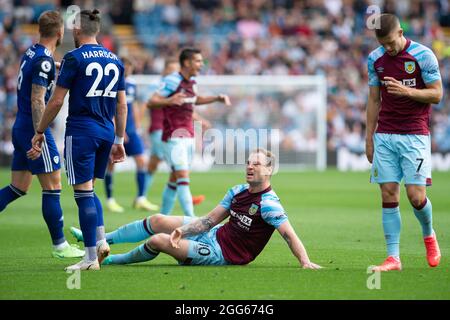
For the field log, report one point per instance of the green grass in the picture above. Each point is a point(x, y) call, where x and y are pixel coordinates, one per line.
point(337, 215)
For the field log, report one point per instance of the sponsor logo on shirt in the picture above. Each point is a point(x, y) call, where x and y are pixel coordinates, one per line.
point(245, 222)
point(380, 69)
point(409, 82)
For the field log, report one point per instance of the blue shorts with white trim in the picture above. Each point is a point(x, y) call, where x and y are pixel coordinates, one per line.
point(49, 160)
point(85, 158)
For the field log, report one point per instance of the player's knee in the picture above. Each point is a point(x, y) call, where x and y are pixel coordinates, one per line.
point(156, 220)
point(416, 199)
point(157, 242)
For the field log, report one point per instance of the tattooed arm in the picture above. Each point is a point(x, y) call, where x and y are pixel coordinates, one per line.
point(203, 224)
point(296, 246)
point(37, 103)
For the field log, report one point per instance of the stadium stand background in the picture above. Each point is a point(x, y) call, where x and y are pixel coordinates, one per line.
point(253, 37)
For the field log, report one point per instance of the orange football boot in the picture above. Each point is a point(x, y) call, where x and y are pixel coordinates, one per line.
point(389, 264)
point(196, 200)
point(433, 252)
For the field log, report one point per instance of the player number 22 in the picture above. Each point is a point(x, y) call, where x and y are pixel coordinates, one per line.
point(93, 92)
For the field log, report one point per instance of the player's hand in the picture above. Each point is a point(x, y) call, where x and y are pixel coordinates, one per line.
point(117, 153)
point(178, 99)
point(224, 99)
point(396, 88)
point(369, 150)
point(36, 146)
point(125, 138)
point(175, 238)
point(206, 125)
point(311, 265)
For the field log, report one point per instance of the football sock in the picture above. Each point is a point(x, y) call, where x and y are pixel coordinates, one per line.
point(100, 231)
point(169, 195)
point(391, 226)
point(8, 194)
point(185, 197)
point(148, 182)
point(109, 185)
point(88, 217)
point(133, 232)
point(138, 254)
point(140, 180)
point(53, 215)
point(425, 216)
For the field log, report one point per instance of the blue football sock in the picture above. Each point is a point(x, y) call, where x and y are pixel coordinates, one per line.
point(109, 185)
point(148, 182)
point(424, 214)
point(53, 215)
point(8, 194)
point(168, 200)
point(185, 197)
point(133, 232)
point(100, 231)
point(88, 216)
point(140, 180)
point(138, 254)
point(392, 225)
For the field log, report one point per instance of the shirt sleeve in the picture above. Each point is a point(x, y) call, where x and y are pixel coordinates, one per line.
point(429, 66)
point(227, 200)
point(272, 211)
point(67, 72)
point(373, 77)
point(42, 71)
point(169, 85)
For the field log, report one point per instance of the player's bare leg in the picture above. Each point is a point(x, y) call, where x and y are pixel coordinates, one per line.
point(141, 201)
point(161, 243)
point(111, 203)
point(423, 211)
point(53, 215)
point(390, 194)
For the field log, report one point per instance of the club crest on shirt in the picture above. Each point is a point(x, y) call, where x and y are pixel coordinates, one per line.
point(253, 209)
point(410, 66)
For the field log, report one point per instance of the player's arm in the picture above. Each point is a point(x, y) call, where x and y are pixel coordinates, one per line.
point(50, 113)
point(205, 123)
point(159, 101)
point(373, 109)
point(296, 246)
point(210, 99)
point(37, 103)
point(117, 150)
point(431, 94)
point(200, 225)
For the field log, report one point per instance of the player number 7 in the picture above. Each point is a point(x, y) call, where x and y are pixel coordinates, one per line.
point(420, 164)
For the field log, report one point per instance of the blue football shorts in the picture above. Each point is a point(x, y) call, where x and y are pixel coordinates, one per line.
point(134, 146)
point(204, 248)
point(157, 148)
point(401, 156)
point(49, 160)
point(85, 158)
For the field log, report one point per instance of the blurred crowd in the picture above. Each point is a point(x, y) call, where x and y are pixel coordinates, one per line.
point(261, 37)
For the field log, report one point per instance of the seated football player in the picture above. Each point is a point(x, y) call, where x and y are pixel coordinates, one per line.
point(255, 212)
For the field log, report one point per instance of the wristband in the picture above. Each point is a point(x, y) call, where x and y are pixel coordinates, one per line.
point(118, 140)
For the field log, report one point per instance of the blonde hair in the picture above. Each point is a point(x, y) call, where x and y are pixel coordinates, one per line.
point(50, 22)
point(270, 157)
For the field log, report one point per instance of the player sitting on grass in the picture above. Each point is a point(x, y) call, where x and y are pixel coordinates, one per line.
point(254, 210)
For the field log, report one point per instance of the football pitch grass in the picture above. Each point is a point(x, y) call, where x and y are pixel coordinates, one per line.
point(337, 216)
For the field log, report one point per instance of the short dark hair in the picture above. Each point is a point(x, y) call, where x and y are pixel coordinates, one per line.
point(90, 22)
point(387, 23)
point(187, 54)
point(50, 22)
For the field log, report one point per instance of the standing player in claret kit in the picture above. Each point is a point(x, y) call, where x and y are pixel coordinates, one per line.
point(95, 78)
point(254, 212)
point(134, 147)
point(157, 147)
point(404, 81)
point(177, 97)
point(34, 87)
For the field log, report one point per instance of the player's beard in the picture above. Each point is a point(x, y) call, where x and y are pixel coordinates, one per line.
point(77, 43)
point(58, 42)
